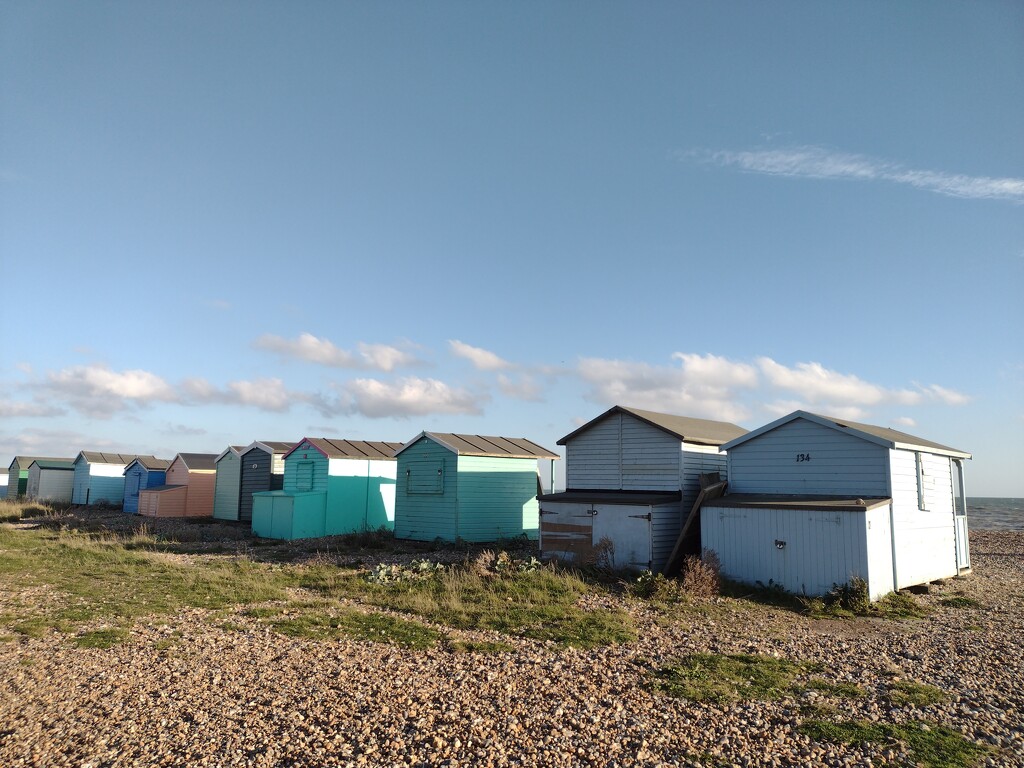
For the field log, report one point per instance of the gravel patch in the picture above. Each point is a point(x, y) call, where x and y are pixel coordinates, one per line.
point(204, 689)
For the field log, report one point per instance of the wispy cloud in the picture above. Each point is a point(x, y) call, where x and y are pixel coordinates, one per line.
point(410, 396)
point(814, 162)
point(313, 349)
point(10, 409)
point(482, 359)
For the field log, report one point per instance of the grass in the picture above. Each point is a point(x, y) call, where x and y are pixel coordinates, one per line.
point(933, 746)
point(724, 679)
point(844, 601)
point(324, 620)
point(959, 601)
point(541, 604)
point(839, 690)
point(907, 692)
point(101, 638)
point(13, 511)
point(96, 576)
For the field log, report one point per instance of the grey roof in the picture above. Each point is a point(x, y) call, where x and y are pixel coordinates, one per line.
point(151, 462)
point(641, 498)
point(23, 462)
point(690, 430)
point(487, 445)
point(340, 448)
point(793, 501)
point(890, 438)
point(277, 447)
point(67, 465)
point(98, 457)
point(198, 461)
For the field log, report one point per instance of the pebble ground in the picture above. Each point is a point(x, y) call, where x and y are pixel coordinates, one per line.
point(182, 691)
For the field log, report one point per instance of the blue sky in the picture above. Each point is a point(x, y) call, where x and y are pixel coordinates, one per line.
point(222, 222)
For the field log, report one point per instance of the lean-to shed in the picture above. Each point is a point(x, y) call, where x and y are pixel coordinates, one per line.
point(188, 489)
point(470, 487)
point(631, 476)
point(50, 480)
point(227, 486)
point(99, 477)
point(262, 470)
point(816, 501)
point(17, 474)
point(142, 473)
point(330, 486)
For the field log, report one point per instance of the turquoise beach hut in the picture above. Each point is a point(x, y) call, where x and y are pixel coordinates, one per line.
point(142, 473)
point(99, 477)
point(469, 487)
point(330, 486)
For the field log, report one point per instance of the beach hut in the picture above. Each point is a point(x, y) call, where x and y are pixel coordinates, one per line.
point(330, 486)
point(17, 474)
point(816, 501)
point(50, 480)
point(188, 489)
point(469, 487)
point(227, 484)
point(99, 477)
point(142, 473)
point(262, 470)
point(631, 476)
point(3, 483)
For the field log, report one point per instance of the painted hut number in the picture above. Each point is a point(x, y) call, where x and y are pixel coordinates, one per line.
point(803, 457)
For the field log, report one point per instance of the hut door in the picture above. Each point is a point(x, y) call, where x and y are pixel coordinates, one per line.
point(629, 531)
point(566, 531)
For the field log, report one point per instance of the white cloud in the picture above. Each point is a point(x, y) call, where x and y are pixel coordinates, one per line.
point(481, 359)
point(49, 442)
point(700, 388)
point(522, 387)
point(813, 162)
point(312, 349)
point(97, 391)
point(10, 409)
point(264, 394)
point(905, 421)
point(816, 384)
point(945, 396)
point(713, 371)
point(408, 397)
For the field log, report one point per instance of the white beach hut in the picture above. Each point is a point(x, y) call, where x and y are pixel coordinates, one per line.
point(816, 501)
point(631, 475)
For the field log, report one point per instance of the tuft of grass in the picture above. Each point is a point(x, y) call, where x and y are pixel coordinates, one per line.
point(723, 679)
point(15, 510)
point(908, 692)
point(102, 638)
point(960, 601)
point(325, 620)
point(933, 746)
point(478, 646)
point(541, 604)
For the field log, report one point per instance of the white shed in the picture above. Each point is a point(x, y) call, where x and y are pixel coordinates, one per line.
point(815, 501)
point(51, 480)
point(630, 476)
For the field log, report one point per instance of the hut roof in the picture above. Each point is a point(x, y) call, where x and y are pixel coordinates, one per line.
point(150, 462)
point(23, 462)
point(486, 445)
point(99, 457)
point(275, 447)
point(690, 430)
point(66, 465)
point(198, 461)
point(890, 438)
point(337, 448)
point(798, 501)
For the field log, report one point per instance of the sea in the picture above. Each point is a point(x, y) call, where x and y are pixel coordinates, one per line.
point(993, 514)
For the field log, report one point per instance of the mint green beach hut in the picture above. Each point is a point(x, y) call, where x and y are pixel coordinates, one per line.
point(469, 487)
point(227, 486)
point(330, 486)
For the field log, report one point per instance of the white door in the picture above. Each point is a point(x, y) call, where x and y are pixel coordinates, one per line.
point(628, 529)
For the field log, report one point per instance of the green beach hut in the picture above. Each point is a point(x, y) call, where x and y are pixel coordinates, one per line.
point(330, 486)
point(470, 487)
point(17, 474)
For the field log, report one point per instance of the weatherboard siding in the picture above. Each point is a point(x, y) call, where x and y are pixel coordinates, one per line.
point(497, 498)
point(257, 476)
point(623, 453)
point(226, 487)
point(696, 461)
point(306, 469)
point(98, 482)
point(838, 463)
point(425, 507)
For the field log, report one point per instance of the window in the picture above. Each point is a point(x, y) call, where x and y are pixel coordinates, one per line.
point(425, 477)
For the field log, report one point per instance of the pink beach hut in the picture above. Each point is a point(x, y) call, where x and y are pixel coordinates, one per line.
point(189, 488)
